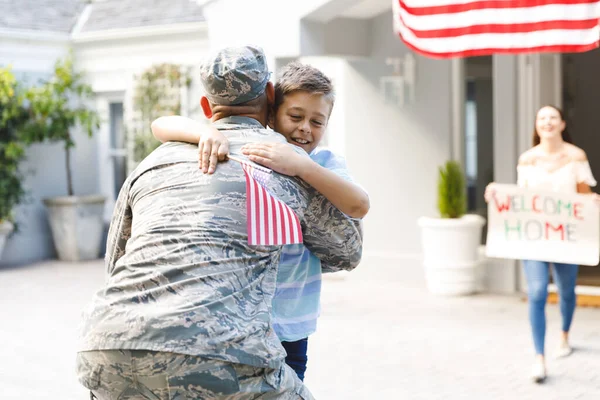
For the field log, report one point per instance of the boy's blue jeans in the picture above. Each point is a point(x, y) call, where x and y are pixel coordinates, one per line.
point(297, 356)
point(538, 277)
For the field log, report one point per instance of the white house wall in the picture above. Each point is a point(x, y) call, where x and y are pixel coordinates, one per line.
point(395, 152)
point(278, 26)
point(31, 54)
point(272, 24)
point(111, 64)
point(343, 37)
point(275, 25)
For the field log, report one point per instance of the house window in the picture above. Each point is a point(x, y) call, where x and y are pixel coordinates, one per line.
point(471, 135)
point(479, 132)
point(471, 146)
point(479, 126)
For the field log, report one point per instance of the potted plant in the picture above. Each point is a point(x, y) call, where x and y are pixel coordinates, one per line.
point(57, 107)
point(451, 242)
point(13, 116)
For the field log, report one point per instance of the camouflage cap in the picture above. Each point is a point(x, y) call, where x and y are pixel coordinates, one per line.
point(235, 75)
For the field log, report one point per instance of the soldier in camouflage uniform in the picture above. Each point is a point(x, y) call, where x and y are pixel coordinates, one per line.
point(185, 313)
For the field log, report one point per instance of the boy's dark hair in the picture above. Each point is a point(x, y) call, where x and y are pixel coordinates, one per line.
point(296, 76)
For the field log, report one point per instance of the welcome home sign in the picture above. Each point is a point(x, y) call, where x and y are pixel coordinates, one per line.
point(527, 224)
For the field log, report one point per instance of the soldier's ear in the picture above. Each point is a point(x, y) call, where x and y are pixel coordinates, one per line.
point(270, 91)
point(205, 104)
point(271, 122)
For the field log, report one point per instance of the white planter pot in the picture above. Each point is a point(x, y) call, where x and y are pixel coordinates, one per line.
point(5, 230)
point(450, 253)
point(77, 225)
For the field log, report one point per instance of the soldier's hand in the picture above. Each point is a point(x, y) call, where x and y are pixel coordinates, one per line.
point(212, 148)
point(279, 157)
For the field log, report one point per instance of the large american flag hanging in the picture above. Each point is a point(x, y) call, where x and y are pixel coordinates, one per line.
point(270, 221)
point(464, 28)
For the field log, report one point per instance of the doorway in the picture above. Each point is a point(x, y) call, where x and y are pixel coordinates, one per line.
point(479, 133)
point(581, 96)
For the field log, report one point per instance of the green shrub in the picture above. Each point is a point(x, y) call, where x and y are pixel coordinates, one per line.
point(452, 193)
point(13, 118)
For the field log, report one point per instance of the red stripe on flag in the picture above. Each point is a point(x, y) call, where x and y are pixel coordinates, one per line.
point(502, 28)
point(486, 4)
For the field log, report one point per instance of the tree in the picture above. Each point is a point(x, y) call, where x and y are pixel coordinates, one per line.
point(57, 106)
point(13, 118)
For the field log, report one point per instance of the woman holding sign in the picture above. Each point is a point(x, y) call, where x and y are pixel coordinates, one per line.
point(553, 163)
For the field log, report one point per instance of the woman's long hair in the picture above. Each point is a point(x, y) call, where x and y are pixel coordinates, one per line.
point(565, 135)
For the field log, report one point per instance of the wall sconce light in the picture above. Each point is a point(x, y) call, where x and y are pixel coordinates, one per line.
point(399, 88)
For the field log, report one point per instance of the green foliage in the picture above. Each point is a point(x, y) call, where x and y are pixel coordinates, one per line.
point(36, 114)
point(13, 118)
point(57, 106)
point(157, 93)
point(452, 192)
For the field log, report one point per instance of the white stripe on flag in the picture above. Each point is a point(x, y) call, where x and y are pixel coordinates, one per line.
point(252, 215)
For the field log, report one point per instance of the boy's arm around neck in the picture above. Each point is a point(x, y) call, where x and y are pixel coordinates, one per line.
point(348, 197)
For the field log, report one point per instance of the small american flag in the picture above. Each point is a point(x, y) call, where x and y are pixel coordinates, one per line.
point(270, 221)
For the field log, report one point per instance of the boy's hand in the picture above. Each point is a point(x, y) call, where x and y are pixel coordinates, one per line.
point(212, 148)
point(277, 156)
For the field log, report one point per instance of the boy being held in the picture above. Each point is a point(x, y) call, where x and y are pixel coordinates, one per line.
point(304, 99)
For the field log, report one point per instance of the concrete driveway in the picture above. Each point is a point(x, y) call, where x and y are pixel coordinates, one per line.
point(381, 336)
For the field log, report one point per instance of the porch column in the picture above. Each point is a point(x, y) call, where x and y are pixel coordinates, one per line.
point(502, 275)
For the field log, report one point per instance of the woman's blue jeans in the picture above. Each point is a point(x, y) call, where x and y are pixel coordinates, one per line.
point(538, 276)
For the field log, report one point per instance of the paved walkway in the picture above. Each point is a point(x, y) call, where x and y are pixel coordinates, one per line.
point(381, 336)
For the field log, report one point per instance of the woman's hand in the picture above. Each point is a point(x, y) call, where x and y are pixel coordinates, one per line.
point(279, 157)
point(489, 193)
point(212, 148)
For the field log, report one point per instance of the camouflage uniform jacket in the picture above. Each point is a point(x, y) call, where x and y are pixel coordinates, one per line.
point(181, 276)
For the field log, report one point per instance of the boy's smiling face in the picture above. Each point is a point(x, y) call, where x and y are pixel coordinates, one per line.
point(302, 118)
